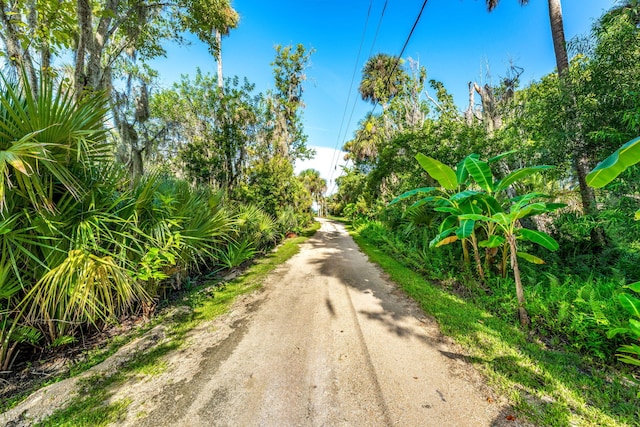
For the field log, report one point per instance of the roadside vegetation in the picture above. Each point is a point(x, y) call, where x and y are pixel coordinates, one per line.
point(515, 222)
point(118, 197)
point(183, 315)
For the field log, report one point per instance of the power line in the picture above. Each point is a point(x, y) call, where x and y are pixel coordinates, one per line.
point(395, 66)
point(353, 76)
point(334, 159)
point(415, 24)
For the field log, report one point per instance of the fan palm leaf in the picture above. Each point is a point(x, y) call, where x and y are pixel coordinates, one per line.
point(42, 138)
point(83, 289)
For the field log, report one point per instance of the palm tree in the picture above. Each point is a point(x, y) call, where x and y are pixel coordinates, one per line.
point(210, 20)
point(225, 20)
point(580, 157)
point(382, 79)
point(364, 147)
point(316, 185)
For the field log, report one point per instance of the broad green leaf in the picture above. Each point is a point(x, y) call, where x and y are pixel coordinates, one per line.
point(634, 286)
point(423, 201)
point(449, 222)
point(608, 169)
point(630, 303)
point(463, 195)
point(470, 206)
point(480, 172)
point(637, 217)
point(502, 218)
point(465, 229)
point(553, 206)
point(476, 217)
point(442, 173)
point(491, 204)
point(501, 156)
point(543, 239)
point(519, 174)
point(493, 242)
point(461, 173)
point(530, 210)
point(531, 258)
point(616, 331)
point(443, 235)
point(524, 198)
point(412, 193)
point(447, 209)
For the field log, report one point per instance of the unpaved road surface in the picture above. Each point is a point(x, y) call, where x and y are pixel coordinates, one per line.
point(327, 342)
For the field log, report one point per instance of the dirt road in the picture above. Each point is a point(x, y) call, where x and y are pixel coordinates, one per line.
point(328, 342)
point(332, 343)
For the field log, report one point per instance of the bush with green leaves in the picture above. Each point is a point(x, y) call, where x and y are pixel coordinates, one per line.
point(479, 211)
point(81, 245)
point(605, 172)
point(630, 353)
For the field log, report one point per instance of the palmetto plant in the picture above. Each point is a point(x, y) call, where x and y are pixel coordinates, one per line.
point(42, 139)
point(234, 254)
point(84, 289)
point(42, 142)
point(48, 145)
point(12, 331)
point(256, 226)
point(80, 245)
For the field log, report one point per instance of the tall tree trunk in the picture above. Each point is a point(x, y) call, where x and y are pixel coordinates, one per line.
point(579, 154)
point(219, 59)
point(18, 57)
point(559, 41)
point(90, 72)
point(96, 74)
point(85, 28)
point(580, 159)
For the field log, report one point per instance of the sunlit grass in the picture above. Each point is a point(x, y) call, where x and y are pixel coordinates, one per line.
point(89, 407)
point(550, 388)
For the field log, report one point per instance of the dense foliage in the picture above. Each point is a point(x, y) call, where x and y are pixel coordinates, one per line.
point(112, 195)
point(505, 208)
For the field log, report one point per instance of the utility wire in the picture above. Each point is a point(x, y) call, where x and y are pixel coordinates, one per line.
point(334, 159)
point(353, 77)
point(395, 66)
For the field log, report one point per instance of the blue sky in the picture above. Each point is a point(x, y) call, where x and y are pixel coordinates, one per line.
point(455, 40)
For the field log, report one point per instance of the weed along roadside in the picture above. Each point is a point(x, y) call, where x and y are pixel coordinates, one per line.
point(546, 385)
point(87, 398)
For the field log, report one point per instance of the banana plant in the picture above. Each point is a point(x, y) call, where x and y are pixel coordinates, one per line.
point(506, 218)
point(494, 199)
point(508, 223)
point(605, 172)
point(442, 200)
point(481, 202)
point(608, 169)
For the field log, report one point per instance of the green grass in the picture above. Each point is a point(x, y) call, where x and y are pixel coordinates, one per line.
point(550, 388)
point(89, 407)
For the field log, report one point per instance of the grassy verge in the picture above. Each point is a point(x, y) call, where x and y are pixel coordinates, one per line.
point(547, 387)
point(89, 407)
